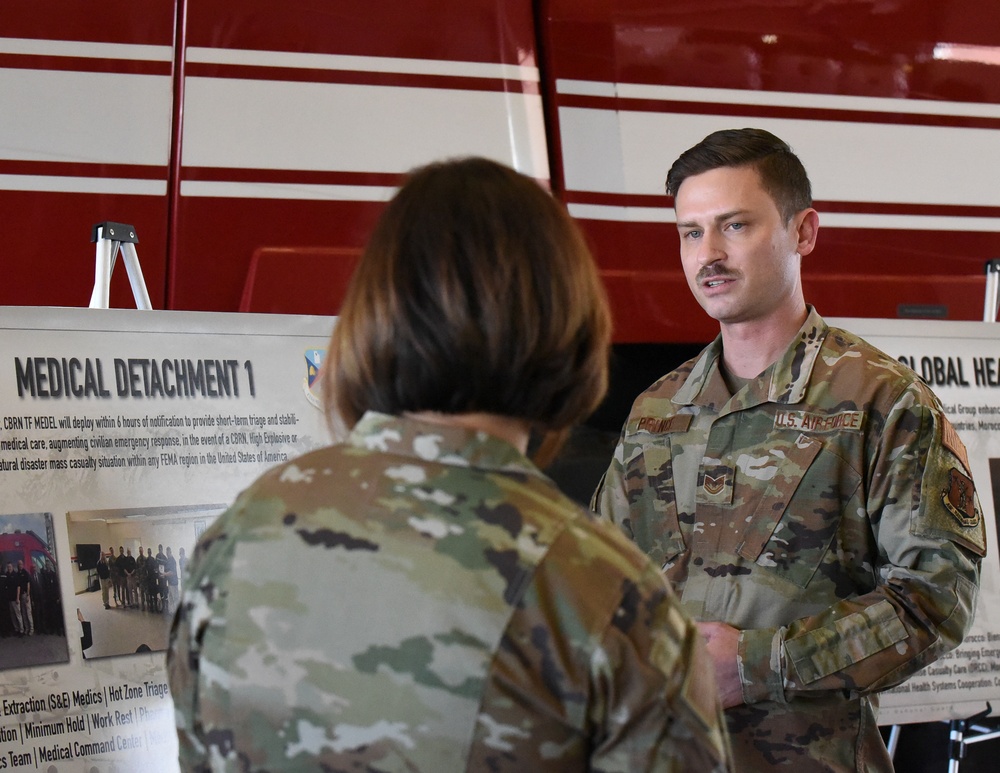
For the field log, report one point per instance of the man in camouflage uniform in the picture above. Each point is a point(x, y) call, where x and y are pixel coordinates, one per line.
point(170, 571)
point(420, 597)
point(803, 491)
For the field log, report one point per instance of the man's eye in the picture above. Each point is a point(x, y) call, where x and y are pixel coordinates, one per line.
point(736, 226)
point(692, 234)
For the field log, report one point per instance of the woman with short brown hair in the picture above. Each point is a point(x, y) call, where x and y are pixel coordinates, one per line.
point(420, 597)
point(476, 294)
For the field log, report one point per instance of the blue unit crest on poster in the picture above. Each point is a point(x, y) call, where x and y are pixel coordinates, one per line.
point(314, 371)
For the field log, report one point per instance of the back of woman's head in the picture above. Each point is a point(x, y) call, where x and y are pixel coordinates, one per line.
point(475, 293)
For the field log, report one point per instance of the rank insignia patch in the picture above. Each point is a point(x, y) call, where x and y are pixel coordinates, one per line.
point(959, 498)
point(714, 485)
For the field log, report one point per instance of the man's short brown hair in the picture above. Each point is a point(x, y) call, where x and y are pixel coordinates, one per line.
point(475, 293)
point(781, 172)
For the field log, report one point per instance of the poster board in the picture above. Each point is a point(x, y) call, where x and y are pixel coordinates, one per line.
point(121, 428)
point(961, 363)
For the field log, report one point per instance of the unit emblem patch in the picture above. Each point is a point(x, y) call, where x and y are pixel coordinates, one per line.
point(959, 498)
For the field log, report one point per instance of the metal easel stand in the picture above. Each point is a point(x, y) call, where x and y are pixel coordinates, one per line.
point(112, 238)
point(958, 739)
point(992, 290)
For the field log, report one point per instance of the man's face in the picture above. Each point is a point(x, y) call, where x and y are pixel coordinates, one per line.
point(740, 260)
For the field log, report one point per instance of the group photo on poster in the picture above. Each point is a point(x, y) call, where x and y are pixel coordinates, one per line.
point(128, 572)
point(32, 630)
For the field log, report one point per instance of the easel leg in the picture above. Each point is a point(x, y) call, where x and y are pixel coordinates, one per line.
point(135, 277)
point(893, 741)
point(110, 238)
point(956, 745)
point(105, 253)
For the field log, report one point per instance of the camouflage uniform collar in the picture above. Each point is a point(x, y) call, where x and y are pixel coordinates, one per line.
point(432, 442)
point(785, 381)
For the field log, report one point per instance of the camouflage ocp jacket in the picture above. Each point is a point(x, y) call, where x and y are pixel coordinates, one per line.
point(422, 598)
point(825, 510)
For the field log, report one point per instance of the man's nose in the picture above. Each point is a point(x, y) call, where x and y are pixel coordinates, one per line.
point(711, 248)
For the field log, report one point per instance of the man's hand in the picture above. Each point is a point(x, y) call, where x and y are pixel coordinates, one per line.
point(723, 647)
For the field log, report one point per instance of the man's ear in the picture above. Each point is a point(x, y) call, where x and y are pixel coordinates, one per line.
point(807, 229)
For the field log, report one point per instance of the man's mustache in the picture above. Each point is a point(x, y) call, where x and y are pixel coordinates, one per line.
point(715, 272)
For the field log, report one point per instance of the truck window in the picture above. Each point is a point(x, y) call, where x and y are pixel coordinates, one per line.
point(38, 559)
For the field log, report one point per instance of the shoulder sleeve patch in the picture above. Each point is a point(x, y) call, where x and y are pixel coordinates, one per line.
point(951, 441)
point(960, 499)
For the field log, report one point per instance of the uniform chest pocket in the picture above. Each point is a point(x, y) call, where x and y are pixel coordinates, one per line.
point(659, 536)
point(799, 512)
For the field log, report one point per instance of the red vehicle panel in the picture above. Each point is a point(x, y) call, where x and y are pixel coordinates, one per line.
point(84, 138)
point(893, 108)
point(225, 130)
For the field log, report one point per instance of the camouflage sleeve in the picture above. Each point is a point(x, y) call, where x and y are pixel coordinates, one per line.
point(927, 523)
point(600, 670)
point(183, 654)
point(610, 500)
point(182, 665)
point(654, 690)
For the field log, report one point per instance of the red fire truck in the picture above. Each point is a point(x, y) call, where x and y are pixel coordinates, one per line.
point(25, 548)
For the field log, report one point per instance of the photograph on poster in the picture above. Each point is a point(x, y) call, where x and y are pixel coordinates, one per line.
point(128, 567)
point(32, 627)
